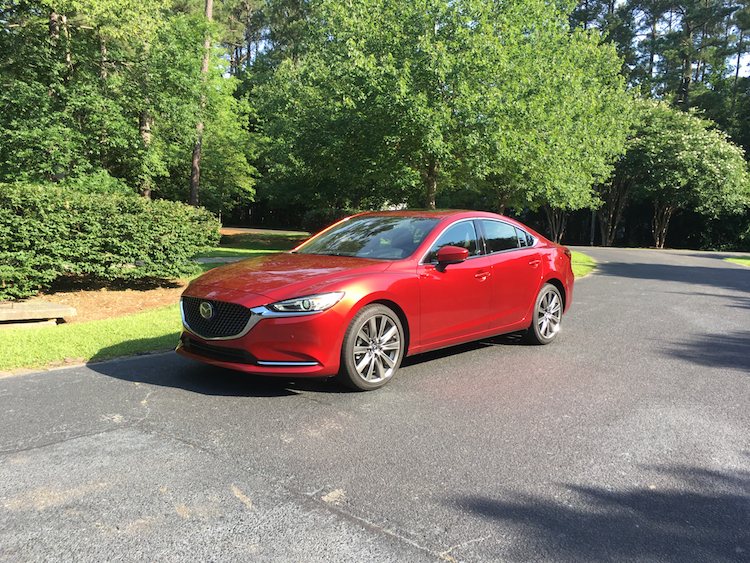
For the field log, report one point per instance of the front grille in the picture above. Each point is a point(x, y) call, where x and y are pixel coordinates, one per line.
point(229, 319)
point(233, 355)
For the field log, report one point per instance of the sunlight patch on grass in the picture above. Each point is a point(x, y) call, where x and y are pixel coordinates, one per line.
point(228, 252)
point(582, 264)
point(741, 261)
point(157, 329)
point(247, 245)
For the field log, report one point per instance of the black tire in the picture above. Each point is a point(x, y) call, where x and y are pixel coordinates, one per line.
point(548, 310)
point(373, 348)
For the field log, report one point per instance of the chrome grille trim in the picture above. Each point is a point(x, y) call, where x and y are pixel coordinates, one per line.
point(287, 364)
point(231, 320)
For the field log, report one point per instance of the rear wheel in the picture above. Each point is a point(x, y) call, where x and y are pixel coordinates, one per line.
point(548, 311)
point(373, 348)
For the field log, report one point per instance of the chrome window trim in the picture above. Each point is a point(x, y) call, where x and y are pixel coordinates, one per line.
point(516, 227)
point(480, 241)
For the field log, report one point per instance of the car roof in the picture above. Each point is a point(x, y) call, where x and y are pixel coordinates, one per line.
point(442, 214)
point(428, 213)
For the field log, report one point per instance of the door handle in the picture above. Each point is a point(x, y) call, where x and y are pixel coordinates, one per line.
point(481, 275)
point(534, 262)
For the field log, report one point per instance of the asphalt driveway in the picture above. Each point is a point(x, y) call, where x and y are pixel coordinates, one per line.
point(626, 440)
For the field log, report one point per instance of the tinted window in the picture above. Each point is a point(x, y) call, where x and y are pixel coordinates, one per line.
point(385, 237)
point(499, 236)
point(525, 238)
point(461, 234)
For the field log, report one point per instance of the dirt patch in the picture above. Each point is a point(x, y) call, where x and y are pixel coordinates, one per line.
point(92, 301)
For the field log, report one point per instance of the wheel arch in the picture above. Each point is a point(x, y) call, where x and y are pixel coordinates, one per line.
point(561, 288)
point(401, 316)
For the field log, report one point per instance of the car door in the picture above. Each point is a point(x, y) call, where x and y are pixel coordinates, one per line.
point(516, 272)
point(455, 300)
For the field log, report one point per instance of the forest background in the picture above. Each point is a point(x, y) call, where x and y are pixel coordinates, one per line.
point(603, 122)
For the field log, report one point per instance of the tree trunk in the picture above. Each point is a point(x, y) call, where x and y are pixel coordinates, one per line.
point(430, 180)
point(687, 67)
point(607, 226)
point(660, 222)
point(615, 199)
point(503, 195)
point(195, 169)
point(556, 219)
point(54, 26)
point(195, 173)
point(145, 130)
point(652, 49)
point(249, 35)
point(737, 72)
point(54, 36)
point(103, 51)
point(55, 21)
point(698, 67)
point(502, 201)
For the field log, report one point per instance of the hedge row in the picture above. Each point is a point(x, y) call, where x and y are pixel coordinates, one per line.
point(48, 232)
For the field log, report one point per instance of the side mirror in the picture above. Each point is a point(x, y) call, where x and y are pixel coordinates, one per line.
point(451, 255)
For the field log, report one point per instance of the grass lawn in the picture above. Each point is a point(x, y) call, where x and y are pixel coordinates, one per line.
point(582, 264)
point(157, 329)
point(742, 261)
point(150, 331)
point(249, 245)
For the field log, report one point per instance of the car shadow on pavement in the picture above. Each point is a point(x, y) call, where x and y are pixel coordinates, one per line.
point(512, 339)
point(703, 518)
point(171, 370)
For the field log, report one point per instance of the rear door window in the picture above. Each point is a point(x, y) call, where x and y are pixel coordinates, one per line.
point(500, 236)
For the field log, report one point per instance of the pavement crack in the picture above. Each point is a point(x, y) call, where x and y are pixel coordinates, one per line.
point(445, 554)
point(146, 407)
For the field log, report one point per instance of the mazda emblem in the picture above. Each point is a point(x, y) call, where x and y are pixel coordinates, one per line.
point(206, 310)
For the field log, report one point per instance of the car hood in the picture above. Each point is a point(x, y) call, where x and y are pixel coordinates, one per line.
point(282, 275)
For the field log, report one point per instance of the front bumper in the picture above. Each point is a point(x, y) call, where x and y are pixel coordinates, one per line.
point(241, 360)
point(303, 345)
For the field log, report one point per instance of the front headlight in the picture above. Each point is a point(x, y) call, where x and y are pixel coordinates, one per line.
point(307, 304)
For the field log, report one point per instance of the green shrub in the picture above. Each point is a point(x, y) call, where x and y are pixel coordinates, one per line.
point(99, 182)
point(318, 219)
point(48, 232)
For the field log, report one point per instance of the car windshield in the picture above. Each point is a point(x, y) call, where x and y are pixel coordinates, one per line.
point(381, 237)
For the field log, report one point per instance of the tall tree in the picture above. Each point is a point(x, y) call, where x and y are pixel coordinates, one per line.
point(115, 86)
point(195, 173)
point(742, 23)
point(685, 162)
point(410, 95)
point(567, 128)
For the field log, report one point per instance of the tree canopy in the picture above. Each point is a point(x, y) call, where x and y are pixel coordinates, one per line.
point(675, 160)
point(393, 100)
point(322, 106)
point(115, 86)
point(684, 161)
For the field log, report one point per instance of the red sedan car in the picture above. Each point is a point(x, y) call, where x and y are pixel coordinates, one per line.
point(356, 298)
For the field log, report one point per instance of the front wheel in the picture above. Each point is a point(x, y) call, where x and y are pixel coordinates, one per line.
point(373, 348)
point(548, 310)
